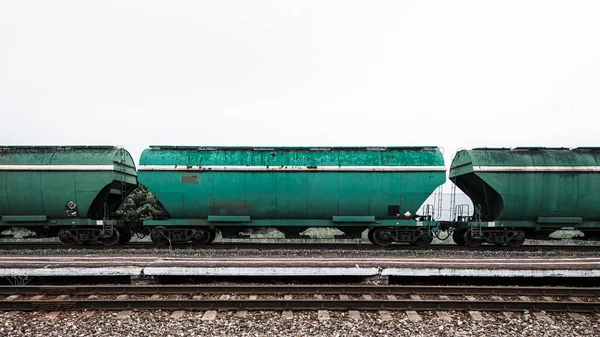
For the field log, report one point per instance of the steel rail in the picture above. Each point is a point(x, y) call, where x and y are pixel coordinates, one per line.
point(298, 289)
point(311, 304)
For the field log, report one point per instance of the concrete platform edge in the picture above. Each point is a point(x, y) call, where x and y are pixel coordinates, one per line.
point(293, 271)
point(472, 272)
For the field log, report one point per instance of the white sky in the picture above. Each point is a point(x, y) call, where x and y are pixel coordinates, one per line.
point(448, 73)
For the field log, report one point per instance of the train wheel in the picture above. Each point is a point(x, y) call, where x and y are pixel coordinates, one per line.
point(213, 235)
point(370, 236)
point(458, 236)
point(66, 237)
point(381, 237)
point(516, 240)
point(201, 237)
point(159, 237)
point(470, 240)
point(111, 240)
point(125, 236)
point(423, 238)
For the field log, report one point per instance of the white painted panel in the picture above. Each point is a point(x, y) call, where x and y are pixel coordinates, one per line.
point(56, 168)
point(536, 168)
point(294, 168)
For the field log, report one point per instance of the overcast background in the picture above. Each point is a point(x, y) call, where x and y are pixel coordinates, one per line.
point(456, 74)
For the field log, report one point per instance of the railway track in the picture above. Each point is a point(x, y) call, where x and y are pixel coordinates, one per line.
point(305, 297)
point(307, 246)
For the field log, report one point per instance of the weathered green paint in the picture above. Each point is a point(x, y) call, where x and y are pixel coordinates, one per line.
point(290, 195)
point(533, 225)
point(228, 218)
point(24, 218)
point(559, 219)
point(39, 190)
point(526, 196)
point(289, 223)
point(353, 219)
point(78, 222)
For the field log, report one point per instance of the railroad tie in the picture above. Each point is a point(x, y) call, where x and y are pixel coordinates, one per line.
point(178, 314)
point(385, 315)
point(413, 316)
point(470, 298)
point(344, 297)
point(287, 297)
point(367, 297)
point(444, 316)
point(354, 314)
point(318, 296)
point(197, 297)
point(155, 297)
point(415, 297)
point(577, 317)
point(12, 297)
point(543, 317)
point(37, 297)
point(444, 298)
point(287, 314)
point(323, 315)
point(497, 298)
point(392, 298)
point(547, 298)
point(61, 297)
point(225, 297)
point(209, 315)
point(122, 297)
point(92, 298)
point(476, 315)
point(575, 299)
point(241, 314)
point(252, 297)
point(525, 298)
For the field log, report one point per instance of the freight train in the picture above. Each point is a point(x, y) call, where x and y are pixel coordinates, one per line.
point(72, 192)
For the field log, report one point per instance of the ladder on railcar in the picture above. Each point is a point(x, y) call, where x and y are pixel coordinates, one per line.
point(107, 227)
point(453, 209)
point(437, 202)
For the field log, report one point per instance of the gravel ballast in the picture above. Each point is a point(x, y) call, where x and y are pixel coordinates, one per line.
point(317, 253)
point(305, 323)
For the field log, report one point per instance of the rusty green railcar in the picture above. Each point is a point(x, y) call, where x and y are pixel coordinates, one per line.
point(291, 188)
point(528, 192)
point(69, 191)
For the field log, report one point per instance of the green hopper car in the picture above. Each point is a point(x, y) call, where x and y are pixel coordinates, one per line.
point(230, 189)
point(527, 193)
point(65, 191)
